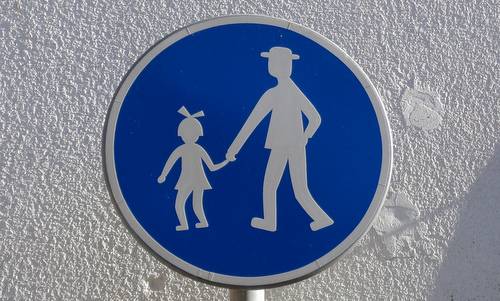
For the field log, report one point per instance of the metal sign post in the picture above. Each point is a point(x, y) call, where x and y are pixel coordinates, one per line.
point(247, 152)
point(246, 295)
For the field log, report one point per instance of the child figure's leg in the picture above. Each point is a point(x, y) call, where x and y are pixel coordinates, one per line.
point(198, 208)
point(180, 209)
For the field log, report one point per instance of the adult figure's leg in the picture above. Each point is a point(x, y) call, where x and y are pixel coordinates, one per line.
point(274, 172)
point(298, 174)
point(198, 208)
point(180, 209)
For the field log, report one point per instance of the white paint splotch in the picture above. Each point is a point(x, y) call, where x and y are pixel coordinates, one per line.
point(422, 109)
point(396, 224)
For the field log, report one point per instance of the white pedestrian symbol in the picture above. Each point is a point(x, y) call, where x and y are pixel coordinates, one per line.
point(286, 138)
point(192, 179)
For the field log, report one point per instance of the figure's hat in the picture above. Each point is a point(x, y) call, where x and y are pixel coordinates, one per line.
point(280, 52)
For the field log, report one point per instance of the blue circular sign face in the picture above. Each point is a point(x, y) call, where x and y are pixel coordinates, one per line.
point(248, 151)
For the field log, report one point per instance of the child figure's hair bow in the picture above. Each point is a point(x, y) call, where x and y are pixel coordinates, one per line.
point(186, 113)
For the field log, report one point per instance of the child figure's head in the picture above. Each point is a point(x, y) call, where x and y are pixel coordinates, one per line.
point(190, 128)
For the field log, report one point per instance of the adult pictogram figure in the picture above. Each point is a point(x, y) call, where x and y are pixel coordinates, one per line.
point(286, 138)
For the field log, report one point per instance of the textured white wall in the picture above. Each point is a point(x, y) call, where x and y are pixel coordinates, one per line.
point(435, 63)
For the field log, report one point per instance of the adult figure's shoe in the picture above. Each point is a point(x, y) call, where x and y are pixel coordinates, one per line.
point(263, 224)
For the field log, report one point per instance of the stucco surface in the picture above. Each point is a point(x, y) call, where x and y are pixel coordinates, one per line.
point(60, 63)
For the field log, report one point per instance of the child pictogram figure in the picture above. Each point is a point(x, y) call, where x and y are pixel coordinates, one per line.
point(192, 179)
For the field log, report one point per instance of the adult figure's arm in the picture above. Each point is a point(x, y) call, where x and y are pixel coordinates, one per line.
point(313, 117)
point(261, 109)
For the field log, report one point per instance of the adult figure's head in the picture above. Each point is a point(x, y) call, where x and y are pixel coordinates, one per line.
point(280, 61)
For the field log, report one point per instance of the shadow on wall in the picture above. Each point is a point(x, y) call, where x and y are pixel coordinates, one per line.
point(471, 268)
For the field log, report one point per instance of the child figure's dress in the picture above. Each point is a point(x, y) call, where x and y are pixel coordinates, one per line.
point(193, 175)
